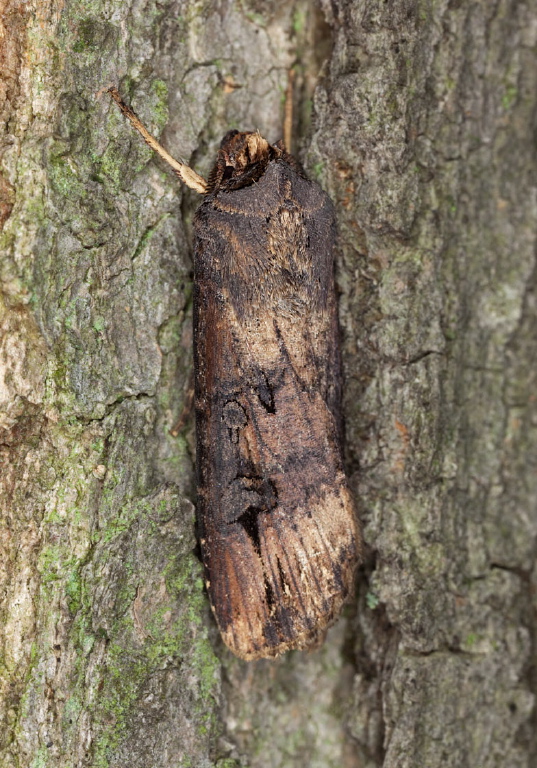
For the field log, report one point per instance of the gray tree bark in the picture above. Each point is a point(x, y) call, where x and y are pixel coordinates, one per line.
point(422, 129)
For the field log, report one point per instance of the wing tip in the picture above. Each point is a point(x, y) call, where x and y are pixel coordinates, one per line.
point(248, 648)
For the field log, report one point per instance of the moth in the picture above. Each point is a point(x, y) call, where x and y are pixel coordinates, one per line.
point(279, 538)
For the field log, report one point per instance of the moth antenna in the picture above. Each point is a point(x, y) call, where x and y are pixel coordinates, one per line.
point(185, 173)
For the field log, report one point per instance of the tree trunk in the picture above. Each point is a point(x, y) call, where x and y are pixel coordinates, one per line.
point(422, 130)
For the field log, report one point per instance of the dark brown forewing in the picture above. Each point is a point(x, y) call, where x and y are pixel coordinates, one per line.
point(279, 538)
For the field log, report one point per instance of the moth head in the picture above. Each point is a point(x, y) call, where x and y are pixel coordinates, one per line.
point(242, 160)
point(241, 150)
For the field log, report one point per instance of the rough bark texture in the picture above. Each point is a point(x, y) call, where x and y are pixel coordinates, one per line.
point(423, 133)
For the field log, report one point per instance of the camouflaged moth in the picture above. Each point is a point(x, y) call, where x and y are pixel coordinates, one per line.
point(278, 533)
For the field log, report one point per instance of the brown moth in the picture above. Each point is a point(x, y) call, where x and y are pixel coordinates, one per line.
point(279, 537)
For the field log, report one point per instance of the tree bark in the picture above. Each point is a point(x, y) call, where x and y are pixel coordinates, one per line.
point(422, 130)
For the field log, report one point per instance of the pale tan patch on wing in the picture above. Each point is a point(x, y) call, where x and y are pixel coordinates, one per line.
point(316, 564)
